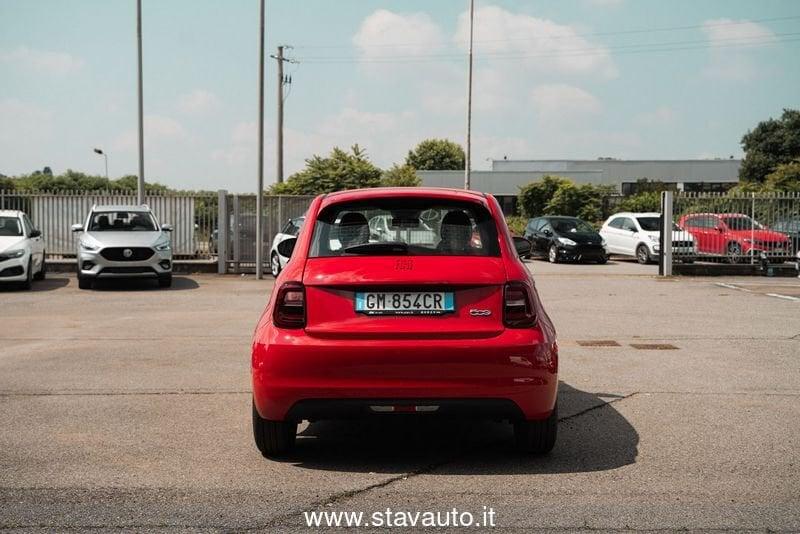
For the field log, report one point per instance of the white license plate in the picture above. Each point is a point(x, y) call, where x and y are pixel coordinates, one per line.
point(404, 302)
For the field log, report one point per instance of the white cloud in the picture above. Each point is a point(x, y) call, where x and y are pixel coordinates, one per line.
point(732, 44)
point(25, 132)
point(385, 34)
point(198, 102)
point(561, 103)
point(158, 130)
point(44, 61)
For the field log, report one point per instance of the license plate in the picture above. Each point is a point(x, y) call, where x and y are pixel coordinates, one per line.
point(404, 302)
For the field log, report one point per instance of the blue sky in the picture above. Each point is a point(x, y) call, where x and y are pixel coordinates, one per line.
point(553, 79)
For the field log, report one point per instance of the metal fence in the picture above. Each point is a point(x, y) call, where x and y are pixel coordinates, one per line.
point(734, 228)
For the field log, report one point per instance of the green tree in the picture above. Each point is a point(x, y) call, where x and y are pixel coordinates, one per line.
point(340, 170)
point(785, 177)
point(771, 143)
point(436, 155)
point(400, 176)
point(643, 201)
point(534, 197)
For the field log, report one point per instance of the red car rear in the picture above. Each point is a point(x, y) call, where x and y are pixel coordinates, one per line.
point(440, 322)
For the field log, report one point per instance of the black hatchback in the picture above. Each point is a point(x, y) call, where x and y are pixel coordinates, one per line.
point(565, 239)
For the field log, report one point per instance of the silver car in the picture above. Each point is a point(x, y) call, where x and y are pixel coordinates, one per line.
point(123, 242)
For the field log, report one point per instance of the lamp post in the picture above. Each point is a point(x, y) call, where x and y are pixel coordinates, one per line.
point(468, 152)
point(105, 157)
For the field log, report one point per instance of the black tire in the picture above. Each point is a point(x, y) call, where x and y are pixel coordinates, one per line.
point(602, 260)
point(85, 283)
point(28, 283)
point(275, 265)
point(642, 254)
point(273, 438)
point(537, 437)
point(688, 260)
point(165, 280)
point(552, 254)
point(42, 271)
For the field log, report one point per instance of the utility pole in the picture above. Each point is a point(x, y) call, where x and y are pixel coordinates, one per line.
point(140, 181)
point(467, 162)
point(281, 82)
point(260, 188)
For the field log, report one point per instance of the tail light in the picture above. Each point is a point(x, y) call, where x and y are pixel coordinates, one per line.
point(518, 309)
point(290, 306)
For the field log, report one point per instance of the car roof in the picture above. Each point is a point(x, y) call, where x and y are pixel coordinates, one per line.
point(121, 207)
point(636, 214)
point(352, 195)
point(12, 213)
point(716, 215)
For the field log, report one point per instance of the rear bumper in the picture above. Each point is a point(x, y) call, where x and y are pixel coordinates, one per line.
point(296, 376)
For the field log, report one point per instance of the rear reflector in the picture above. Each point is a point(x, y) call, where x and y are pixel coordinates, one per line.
point(290, 308)
point(518, 306)
point(404, 408)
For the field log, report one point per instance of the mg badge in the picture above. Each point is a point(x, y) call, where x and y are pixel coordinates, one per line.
point(127, 253)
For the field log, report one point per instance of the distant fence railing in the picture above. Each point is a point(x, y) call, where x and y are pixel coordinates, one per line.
point(195, 218)
point(735, 228)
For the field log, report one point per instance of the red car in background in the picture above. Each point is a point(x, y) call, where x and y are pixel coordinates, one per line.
point(367, 325)
point(735, 236)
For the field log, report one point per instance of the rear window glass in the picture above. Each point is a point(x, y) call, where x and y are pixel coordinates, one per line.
point(405, 226)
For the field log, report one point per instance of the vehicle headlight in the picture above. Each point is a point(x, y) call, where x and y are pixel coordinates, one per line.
point(161, 247)
point(87, 246)
point(653, 238)
point(18, 253)
point(566, 241)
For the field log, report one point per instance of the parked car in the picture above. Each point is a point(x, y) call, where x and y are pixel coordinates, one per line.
point(291, 229)
point(791, 228)
point(735, 236)
point(637, 235)
point(22, 255)
point(360, 327)
point(565, 239)
point(123, 242)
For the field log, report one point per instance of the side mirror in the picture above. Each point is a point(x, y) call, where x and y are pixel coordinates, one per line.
point(166, 227)
point(719, 229)
point(286, 247)
point(522, 246)
point(547, 232)
point(77, 228)
point(36, 233)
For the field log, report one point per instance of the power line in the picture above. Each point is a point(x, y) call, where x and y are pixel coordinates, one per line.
point(565, 36)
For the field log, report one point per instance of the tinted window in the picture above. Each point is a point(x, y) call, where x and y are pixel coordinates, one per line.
point(565, 226)
point(121, 221)
point(741, 222)
point(293, 226)
point(616, 223)
point(405, 226)
point(10, 226)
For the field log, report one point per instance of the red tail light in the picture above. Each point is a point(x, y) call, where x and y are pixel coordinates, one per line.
point(290, 306)
point(518, 306)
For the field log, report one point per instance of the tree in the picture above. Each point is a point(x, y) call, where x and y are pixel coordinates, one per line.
point(533, 198)
point(771, 143)
point(340, 170)
point(400, 176)
point(436, 155)
point(785, 177)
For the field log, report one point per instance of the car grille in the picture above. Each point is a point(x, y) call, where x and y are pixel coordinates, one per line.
point(118, 253)
point(127, 270)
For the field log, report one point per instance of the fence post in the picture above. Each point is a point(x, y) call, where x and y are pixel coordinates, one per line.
point(222, 231)
point(665, 257)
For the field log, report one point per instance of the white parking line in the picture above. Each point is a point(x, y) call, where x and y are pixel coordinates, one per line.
point(785, 297)
point(731, 286)
point(775, 295)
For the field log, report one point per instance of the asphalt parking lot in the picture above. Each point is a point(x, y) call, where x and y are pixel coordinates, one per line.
point(129, 407)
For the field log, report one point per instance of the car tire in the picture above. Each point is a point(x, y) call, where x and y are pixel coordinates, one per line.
point(537, 437)
point(165, 280)
point(42, 270)
point(273, 438)
point(85, 282)
point(688, 260)
point(733, 252)
point(275, 264)
point(28, 283)
point(552, 254)
point(602, 260)
point(642, 254)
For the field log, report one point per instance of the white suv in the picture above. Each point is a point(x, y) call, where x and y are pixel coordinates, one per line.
point(21, 249)
point(637, 234)
point(123, 242)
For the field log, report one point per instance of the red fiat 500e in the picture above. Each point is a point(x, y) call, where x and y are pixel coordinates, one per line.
point(404, 301)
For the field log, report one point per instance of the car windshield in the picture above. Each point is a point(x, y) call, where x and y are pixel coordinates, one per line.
point(122, 221)
point(563, 226)
point(741, 222)
point(405, 226)
point(10, 226)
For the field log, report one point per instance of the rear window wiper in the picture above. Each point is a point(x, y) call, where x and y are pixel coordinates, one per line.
point(388, 248)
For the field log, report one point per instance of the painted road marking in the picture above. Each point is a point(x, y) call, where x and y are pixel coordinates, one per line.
point(774, 295)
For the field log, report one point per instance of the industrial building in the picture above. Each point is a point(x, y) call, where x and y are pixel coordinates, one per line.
point(506, 176)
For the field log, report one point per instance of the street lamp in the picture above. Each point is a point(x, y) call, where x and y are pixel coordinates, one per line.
point(105, 157)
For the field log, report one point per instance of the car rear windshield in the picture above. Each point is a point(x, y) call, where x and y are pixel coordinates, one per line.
point(405, 226)
point(121, 221)
point(10, 226)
